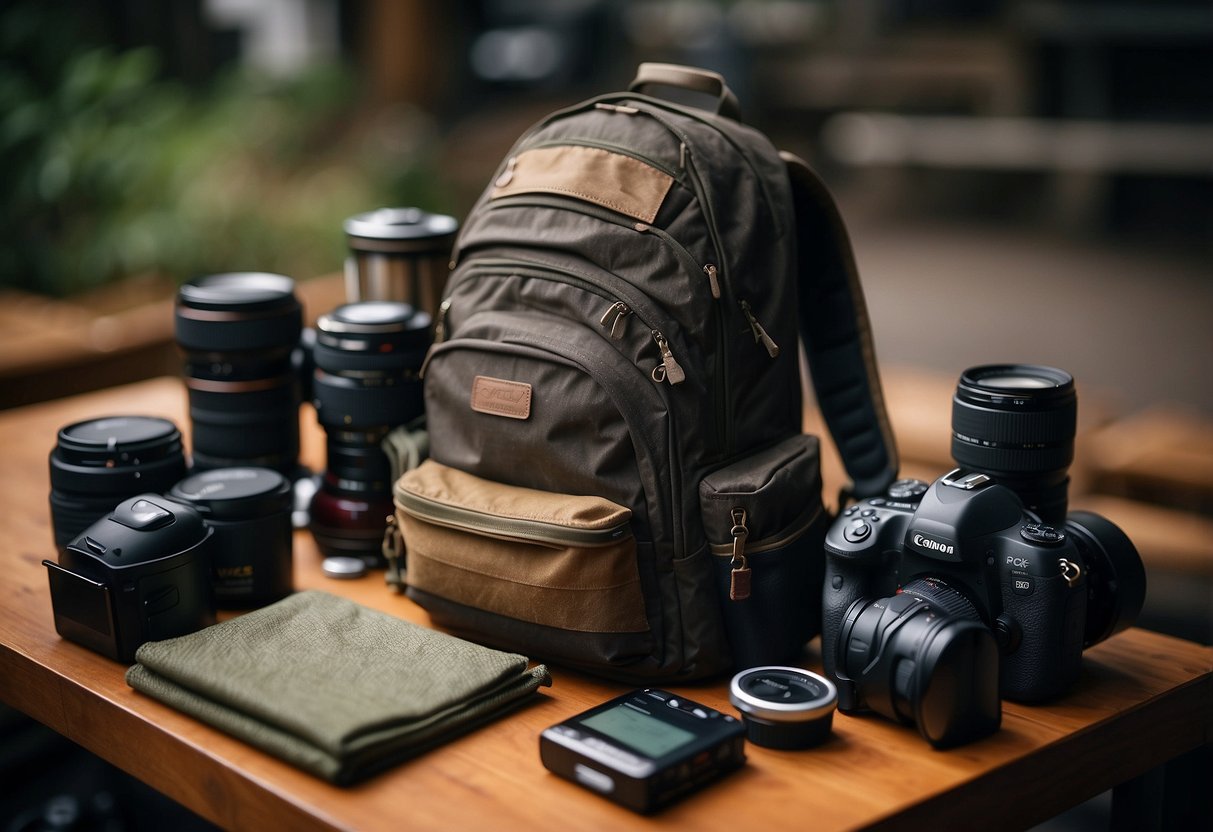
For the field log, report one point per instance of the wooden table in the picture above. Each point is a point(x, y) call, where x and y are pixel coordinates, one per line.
point(1143, 699)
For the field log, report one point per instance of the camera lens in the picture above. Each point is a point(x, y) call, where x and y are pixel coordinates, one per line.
point(250, 511)
point(1016, 422)
point(921, 657)
point(1116, 577)
point(96, 464)
point(367, 382)
point(238, 332)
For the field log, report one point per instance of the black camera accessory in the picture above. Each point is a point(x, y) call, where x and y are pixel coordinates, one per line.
point(140, 574)
point(644, 749)
point(784, 707)
point(240, 333)
point(367, 382)
point(1016, 422)
point(250, 511)
point(98, 463)
point(922, 657)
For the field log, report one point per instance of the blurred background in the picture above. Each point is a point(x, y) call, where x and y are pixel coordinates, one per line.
point(1023, 181)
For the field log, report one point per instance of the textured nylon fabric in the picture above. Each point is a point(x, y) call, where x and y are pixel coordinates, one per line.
point(331, 686)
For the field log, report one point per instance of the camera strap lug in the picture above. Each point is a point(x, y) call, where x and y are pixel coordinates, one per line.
point(1070, 571)
point(739, 570)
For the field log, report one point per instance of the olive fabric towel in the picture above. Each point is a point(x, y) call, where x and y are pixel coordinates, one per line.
point(331, 686)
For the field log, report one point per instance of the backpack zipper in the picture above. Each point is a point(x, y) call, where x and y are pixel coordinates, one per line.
point(510, 528)
point(760, 334)
point(623, 303)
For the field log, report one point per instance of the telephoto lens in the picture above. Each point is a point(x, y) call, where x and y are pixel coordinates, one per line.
point(367, 382)
point(1016, 422)
point(250, 511)
point(98, 463)
point(238, 332)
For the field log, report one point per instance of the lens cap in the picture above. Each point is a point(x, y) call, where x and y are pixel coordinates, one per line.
point(235, 493)
point(784, 707)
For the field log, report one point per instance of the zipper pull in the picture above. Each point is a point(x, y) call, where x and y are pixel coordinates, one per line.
point(669, 369)
point(506, 175)
point(440, 324)
point(739, 570)
point(713, 281)
point(760, 334)
point(613, 319)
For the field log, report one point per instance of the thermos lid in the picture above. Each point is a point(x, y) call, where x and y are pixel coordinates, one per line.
point(400, 224)
point(235, 493)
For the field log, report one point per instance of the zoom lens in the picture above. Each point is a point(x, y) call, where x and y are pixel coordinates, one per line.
point(921, 657)
point(367, 382)
point(97, 464)
point(1016, 422)
point(238, 332)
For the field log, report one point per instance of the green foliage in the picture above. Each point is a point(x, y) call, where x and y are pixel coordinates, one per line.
point(107, 170)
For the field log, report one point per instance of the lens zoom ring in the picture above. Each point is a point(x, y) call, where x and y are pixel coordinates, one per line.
point(1015, 427)
point(1012, 460)
point(943, 598)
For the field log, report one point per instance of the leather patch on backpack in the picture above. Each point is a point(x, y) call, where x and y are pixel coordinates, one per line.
point(615, 181)
point(499, 397)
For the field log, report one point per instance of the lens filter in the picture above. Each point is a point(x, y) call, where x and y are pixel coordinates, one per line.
point(784, 707)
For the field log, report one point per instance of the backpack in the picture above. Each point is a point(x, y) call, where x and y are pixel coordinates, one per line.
point(618, 481)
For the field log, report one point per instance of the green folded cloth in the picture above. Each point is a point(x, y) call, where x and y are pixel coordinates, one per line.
point(333, 687)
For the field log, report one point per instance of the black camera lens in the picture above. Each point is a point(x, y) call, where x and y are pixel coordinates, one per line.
point(1016, 422)
point(1116, 577)
point(98, 463)
point(238, 332)
point(250, 511)
point(367, 382)
point(921, 657)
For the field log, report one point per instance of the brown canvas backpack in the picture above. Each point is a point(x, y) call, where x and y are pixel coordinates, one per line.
point(618, 480)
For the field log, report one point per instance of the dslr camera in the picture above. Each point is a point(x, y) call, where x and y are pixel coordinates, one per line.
point(941, 599)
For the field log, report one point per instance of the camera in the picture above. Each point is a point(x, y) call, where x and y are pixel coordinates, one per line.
point(142, 573)
point(367, 382)
point(939, 599)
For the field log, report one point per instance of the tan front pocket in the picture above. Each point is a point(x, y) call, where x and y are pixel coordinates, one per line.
point(551, 559)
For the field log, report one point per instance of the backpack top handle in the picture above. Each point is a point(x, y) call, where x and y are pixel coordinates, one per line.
point(689, 78)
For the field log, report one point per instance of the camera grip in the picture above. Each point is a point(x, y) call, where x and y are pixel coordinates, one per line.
point(1046, 662)
point(846, 581)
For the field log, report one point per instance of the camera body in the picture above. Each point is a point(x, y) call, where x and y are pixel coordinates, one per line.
point(1024, 580)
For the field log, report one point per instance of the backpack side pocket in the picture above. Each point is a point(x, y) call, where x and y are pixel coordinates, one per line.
point(765, 523)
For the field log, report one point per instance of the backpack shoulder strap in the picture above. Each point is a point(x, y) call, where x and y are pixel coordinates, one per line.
point(838, 337)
